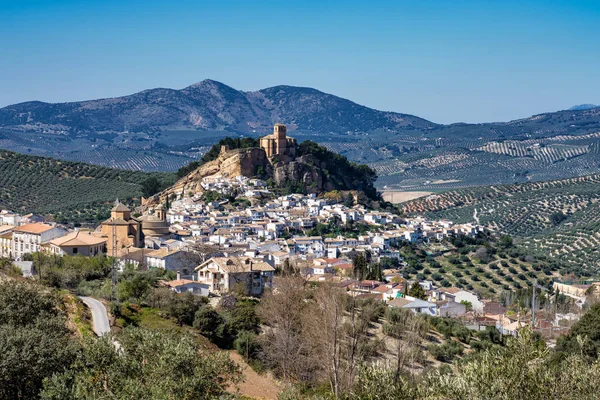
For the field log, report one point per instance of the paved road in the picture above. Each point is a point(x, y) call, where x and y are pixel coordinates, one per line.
point(100, 321)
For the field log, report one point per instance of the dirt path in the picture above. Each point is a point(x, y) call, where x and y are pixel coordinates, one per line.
point(256, 386)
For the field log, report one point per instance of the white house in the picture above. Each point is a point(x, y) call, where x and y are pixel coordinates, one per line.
point(28, 238)
point(173, 260)
point(457, 295)
point(415, 305)
point(188, 286)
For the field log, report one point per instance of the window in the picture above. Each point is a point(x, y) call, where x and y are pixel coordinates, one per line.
point(75, 250)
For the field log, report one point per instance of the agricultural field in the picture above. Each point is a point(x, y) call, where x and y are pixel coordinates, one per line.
point(68, 191)
point(488, 278)
point(560, 219)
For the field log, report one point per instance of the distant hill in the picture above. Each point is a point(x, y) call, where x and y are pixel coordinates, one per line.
point(584, 107)
point(70, 192)
point(314, 169)
point(208, 105)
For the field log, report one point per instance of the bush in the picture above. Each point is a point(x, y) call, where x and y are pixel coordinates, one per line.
point(246, 345)
point(445, 352)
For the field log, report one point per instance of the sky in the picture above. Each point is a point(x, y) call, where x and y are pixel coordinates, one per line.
point(446, 61)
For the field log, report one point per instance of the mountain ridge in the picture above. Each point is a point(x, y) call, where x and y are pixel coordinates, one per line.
point(208, 105)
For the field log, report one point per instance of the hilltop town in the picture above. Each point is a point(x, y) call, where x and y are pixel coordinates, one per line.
point(232, 252)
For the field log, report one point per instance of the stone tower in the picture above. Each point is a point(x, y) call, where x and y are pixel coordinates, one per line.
point(278, 144)
point(280, 134)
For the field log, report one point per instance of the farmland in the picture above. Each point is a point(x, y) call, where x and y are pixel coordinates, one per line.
point(68, 191)
point(560, 219)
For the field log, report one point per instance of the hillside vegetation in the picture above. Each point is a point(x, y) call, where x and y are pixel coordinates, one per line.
point(337, 171)
point(560, 219)
point(70, 191)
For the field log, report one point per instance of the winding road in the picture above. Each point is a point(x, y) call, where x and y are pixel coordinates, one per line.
point(100, 322)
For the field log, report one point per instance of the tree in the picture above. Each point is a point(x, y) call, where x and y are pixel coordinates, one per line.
point(557, 217)
point(151, 186)
point(147, 364)
point(208, 321)
point(136, 288)
point(521, 370)
point(359, 266)
point(349, 202)
point(34, 340)
point(417, 291)
point(468, 305)
point(584, 337)
point(284, 346)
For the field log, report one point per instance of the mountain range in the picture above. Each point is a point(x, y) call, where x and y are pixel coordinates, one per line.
point(163, 129)
point(208, 105)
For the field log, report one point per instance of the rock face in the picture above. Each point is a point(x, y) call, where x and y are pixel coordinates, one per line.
point(303, 171)
point(229, 164)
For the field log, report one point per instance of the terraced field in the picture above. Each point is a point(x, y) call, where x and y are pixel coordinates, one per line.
point(501, 273)
point(546, 154)
point(558, 218)
point(71, 192)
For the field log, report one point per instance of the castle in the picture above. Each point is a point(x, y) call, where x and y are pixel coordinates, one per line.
point(278, 144)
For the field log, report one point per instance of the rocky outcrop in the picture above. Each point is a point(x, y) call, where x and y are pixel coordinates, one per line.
point(303, 172)
point(229, 164)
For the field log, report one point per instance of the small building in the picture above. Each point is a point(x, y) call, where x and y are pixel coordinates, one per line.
point(415, 305)
point(82, 243)
point(224, 274)
point(6, 248)
point(172, 260)
point(187, 286)
point(278, 144)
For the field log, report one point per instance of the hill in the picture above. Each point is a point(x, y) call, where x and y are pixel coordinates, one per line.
point(560, 219)
point(71, 192)
point(165, 129)
point(314, 169)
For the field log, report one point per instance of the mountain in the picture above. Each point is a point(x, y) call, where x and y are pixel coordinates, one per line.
point(584, 107)
point(208, 105)
point(165, 129)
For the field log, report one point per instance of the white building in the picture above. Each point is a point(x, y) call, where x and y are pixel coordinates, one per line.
point(28, 238)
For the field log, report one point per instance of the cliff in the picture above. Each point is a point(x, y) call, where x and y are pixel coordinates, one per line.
point(314, 170)
point(229, 164)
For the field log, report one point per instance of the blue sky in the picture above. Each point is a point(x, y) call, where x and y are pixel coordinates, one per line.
point(447, 61)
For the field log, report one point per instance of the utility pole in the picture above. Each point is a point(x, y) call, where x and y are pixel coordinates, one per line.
point(533, 304)
point(114, 276)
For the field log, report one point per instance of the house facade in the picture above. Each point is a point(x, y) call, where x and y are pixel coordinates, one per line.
point(224, 274)
point(28, 238)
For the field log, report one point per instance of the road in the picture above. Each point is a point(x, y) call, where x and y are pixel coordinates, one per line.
point(100, 321)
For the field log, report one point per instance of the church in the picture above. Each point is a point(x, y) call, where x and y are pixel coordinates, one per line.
point(121, 230)
point(278, 145)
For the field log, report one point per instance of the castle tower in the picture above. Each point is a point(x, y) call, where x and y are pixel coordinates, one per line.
point(280, 135)
point(278, 144)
